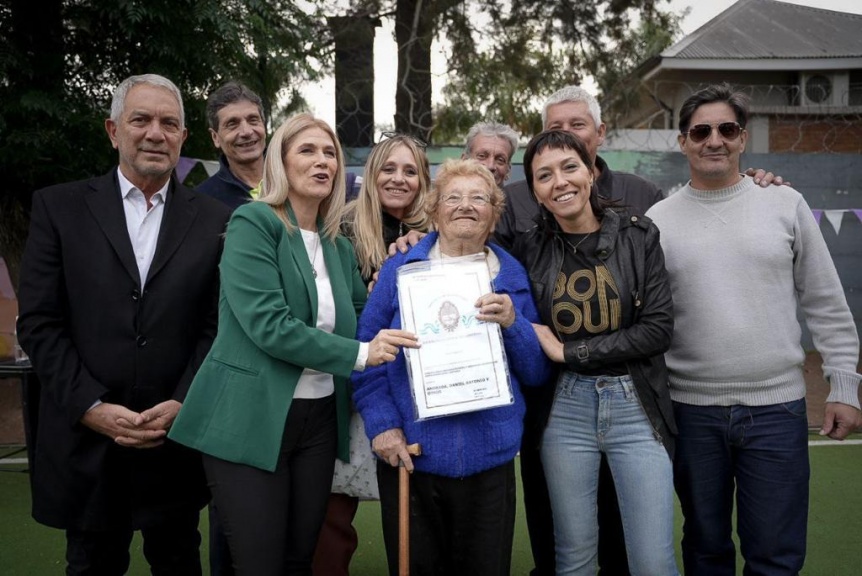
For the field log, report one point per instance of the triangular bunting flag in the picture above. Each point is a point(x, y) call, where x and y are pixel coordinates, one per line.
point(818, 214)
point(835, 217)
point(184, 166)
point(211, 166)
point(858, 214)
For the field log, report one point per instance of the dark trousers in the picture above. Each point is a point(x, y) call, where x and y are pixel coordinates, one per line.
point(537, 504)
point(458, 526)
point(338, 539)
point(171, 548)
point(221, 563)
point(272, 519)
point(760, 454)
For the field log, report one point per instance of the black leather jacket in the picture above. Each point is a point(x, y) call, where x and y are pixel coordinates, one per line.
point(629, 247)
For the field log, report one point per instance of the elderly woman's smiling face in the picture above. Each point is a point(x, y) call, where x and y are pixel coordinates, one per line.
point(464, 212)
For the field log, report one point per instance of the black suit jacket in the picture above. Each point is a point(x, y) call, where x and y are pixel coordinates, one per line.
point(94, 334)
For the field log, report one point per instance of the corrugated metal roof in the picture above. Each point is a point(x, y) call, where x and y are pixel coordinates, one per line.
point(756, 29)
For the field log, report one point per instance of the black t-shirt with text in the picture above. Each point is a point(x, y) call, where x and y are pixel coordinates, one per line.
point(586, 300)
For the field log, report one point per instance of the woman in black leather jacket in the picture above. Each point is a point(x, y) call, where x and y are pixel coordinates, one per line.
point(602, 290)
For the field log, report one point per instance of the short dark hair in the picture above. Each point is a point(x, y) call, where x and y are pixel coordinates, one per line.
point(562, 140)
point(230, 93)
point(715, 93)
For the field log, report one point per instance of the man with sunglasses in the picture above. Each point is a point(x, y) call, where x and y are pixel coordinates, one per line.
point(739, 260)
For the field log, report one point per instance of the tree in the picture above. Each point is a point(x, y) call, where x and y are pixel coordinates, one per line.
point(614, 75)
point(504, 82)
point(506, 55)
point(417, 23)
point(61, 59)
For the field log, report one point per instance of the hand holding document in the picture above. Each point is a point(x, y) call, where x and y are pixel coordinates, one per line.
point(461, 366)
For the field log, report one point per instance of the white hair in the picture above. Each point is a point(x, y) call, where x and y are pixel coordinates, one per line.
point(573, 94)
point(495, 130)
point(118, 102)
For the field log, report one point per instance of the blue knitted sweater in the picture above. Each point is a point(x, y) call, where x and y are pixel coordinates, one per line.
point(464, 444)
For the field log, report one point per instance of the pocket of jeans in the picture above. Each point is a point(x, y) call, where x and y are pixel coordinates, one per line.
point(796, 408)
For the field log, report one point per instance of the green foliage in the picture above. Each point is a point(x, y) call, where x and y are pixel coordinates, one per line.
point(639, 45)
point(506, 56)
point(58, 71)
point(199, 44)
point(504, 82)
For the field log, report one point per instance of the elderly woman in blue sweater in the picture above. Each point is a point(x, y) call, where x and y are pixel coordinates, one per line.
point(463, 486)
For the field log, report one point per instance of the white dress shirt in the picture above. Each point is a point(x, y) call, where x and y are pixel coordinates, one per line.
point(142, 223)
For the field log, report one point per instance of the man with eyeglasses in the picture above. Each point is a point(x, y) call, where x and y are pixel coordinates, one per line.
point(739, 259)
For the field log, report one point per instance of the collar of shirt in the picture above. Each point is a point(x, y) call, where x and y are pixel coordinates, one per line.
point(126, 188)
point(142, 222)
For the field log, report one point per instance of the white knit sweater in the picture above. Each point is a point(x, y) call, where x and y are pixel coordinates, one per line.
point(739, 260)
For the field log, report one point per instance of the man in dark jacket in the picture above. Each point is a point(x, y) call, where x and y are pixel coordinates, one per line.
point(118, 308)
point(235, 117)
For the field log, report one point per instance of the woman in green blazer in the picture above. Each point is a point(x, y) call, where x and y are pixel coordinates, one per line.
point(269, 406)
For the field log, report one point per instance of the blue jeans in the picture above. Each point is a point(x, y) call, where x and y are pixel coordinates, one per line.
point(761, 452)
point(602, 414)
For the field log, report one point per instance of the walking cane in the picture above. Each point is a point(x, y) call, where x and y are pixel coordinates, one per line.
point(404, 513)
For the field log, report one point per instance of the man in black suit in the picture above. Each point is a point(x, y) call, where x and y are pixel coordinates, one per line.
point(118, 307)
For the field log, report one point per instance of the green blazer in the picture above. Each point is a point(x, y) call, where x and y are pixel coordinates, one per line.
point(238, 402)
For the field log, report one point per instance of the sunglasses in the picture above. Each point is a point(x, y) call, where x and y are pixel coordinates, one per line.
point(422, 144)
point(727, 130)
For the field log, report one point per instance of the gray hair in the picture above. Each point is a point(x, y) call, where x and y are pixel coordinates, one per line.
point(495, 130)
point(572, 94)
point(118, 102)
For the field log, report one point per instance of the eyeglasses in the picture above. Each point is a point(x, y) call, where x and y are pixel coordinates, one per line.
point(473, 199)
point(416, 140)
point(727, 130)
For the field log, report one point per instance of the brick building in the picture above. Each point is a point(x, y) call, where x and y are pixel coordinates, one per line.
point(802, 67)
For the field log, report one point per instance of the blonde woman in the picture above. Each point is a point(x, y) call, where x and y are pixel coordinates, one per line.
point(269, 405)
point(390, 203)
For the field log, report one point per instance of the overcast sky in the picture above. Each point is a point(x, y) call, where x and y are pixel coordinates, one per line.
point(322, 100)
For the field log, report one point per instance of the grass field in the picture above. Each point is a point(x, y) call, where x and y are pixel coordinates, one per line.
point(834, 536)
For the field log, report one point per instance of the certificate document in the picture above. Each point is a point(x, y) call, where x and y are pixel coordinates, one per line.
point(461, 366)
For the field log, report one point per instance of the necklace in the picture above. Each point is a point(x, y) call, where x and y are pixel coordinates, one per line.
point(575, 246)
point(314, 255)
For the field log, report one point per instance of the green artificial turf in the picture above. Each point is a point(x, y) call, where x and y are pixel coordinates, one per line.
point(834, 535)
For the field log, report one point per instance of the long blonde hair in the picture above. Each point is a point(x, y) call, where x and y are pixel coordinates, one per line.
point(365, 214)
point(275, 189)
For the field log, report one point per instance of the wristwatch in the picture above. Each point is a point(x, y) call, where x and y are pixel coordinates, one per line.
point(582, 352)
